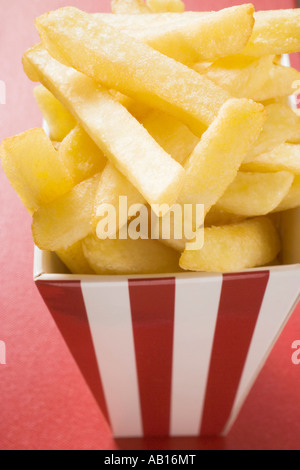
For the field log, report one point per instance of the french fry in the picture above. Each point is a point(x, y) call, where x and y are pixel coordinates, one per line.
point(279, 84)
point(284, 100)
point(56, 144)
point(130, 256)
point(136, 108)
point(281, 124)
point(132, 7)
point(211, 167)
point(34, 168)
point(60, 224)
point(255, 194)
point(157, 176)
point(189, 37)
point(275, 32)
point(249, 77)
point(60, 121)
point(240, 75)
point(173, 136)
point(217, 217)
point(132, 67)
point(294, 137)
point(176, 244)
point(112, 186)
point(234, 247)
point(285, 157)
point(292, 199)
point(161, 6)
point(75, 260)
point(81, 156)
point(215, 161)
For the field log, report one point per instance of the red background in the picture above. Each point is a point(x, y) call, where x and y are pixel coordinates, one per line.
point(44, 402)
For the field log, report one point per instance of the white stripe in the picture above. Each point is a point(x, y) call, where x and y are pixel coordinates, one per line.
point(108, 310)
point(196, 308)
point(281, 294)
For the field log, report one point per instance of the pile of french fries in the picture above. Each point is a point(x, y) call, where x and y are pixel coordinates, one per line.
point(162, 107)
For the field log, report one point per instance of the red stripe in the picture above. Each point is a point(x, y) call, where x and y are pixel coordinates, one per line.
point(66, 304)
point(152, 309)
point(240, 303)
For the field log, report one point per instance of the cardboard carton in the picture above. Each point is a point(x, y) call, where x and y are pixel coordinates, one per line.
point(173, 355)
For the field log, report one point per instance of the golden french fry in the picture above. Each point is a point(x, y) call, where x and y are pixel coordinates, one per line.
point(281, 124)
point(217, 217)
point(285, 157)
point(34, 168)
point(284, 100)
point(130, 256)
point(56, 144)
point(173, 136)
point(189, 37)
point(254, 194)
point(121, 137)
point(59, 120)
point(215, 161)
point(60, 224)
point(132, 67)
point(279, 84)
point(240, 75)
point(275, 32)
point(81, 156)
point(249, 77)
point(295, 138)
point(230, 248)
point(292, 199)
point(126, 22)
point(136, 108)
point(113, 186)
point(161, 6)
point(75, 260)
point(176, 244)
point(211, 167)
point(132, 7)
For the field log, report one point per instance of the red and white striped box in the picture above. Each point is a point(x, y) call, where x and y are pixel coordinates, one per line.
point(172, 355)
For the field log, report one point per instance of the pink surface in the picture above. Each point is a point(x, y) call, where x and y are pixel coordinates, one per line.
point(44, 401)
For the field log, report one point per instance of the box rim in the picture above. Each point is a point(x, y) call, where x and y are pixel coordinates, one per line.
point(39, 274)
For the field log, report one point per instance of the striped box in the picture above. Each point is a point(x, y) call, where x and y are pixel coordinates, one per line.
point(173, 355)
